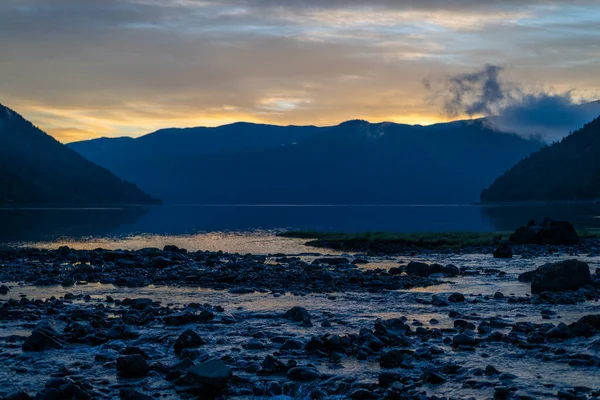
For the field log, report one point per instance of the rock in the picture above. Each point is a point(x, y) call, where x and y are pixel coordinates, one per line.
point(132, 366)
point(360, 394)
point(582, 330)
point(423, 269)
point(208, 377)
point(491, 370)
point(298, 314)
point(561, 331)
point(254, 344)
point(188, 340)
point(20, 395)
point(4, 289)
point(503, 251)
point(131, 394)
point(591, 320)
point(549, 232)
point(456, 298)
point(331, 261)
point(451, 270)
point(564, 275)
point(140, 304)
point(43, 337)
point(395, 358)
point(433, 377)
point(386, 379)
point(462, 340)
point(303, 374)
point(526, 277)
point(292, 344)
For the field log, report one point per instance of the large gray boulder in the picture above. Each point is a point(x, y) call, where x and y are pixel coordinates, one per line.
point(548, 232)
point(560, 276)
point(207, 379)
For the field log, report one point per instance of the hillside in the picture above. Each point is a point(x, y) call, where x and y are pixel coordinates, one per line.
point(36, 169)
point(353, 163)
point(564, 171)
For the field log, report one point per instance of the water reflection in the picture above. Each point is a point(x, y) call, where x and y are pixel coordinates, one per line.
point(36, 225)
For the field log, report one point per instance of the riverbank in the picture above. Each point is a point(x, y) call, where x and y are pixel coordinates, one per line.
point(174, 324)
point(434, 242)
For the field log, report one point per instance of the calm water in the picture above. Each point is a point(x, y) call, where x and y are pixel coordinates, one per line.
point(250, 228)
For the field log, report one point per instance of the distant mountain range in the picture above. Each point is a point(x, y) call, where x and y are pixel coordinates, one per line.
point(355, 162)
point(566, 170)
point(36, 169)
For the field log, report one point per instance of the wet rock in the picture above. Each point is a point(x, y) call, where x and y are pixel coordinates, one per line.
point(564, 275)
point(456, 298)
point(298, 314)
point(4, 290)
point(208, 378)
point(423, 269)
point(254, 344)
point(386, 379)
point(132, 366)
point(43, 337)
point(19, 395)
point(561, 331)
point(188, 340)
point(463, 340)
point(549, 232)
point(503, 251)
point(360, 394)
point(303, 374)
point(433, 377)
point(331, 260)
point(395, 358)
point(131, 394)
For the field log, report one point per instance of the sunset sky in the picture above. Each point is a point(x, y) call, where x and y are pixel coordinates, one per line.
point(88, 68)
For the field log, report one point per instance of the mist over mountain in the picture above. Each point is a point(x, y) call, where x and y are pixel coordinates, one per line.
point(36, 169)
point(355, 162)
point(566, 170)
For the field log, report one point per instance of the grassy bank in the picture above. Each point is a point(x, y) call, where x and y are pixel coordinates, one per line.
point(430, 240)
point(393, 242)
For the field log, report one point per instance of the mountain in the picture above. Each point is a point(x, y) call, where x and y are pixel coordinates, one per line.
point(565, 170)
point(234, 137)
point(353, 163)
point(36, 169)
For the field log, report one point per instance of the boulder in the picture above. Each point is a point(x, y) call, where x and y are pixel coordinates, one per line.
point(503, 251)
point(548, 232)
point(188, 340)
point(303, 374)
point(423, 269)
point(298, 314)
point(132, 366)
point(560, 276)
point(208, 377)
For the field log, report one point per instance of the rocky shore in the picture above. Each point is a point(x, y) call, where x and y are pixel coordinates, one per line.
point(175, 324)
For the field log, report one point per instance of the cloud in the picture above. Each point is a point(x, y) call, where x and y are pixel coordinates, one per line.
point(509, 106)
point(116, 67)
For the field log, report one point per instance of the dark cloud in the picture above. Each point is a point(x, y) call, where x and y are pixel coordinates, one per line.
point(510, 107)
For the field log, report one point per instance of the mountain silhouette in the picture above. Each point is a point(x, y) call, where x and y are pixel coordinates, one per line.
point(355, 162)
point(36, 169)
point(566, 170)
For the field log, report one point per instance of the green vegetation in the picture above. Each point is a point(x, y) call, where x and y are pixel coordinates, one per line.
point(422, 240)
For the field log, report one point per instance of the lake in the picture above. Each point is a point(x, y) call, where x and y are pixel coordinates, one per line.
point(212, 226)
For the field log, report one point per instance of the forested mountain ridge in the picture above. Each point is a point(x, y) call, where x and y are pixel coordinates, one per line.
point(36, 169)
point(355, 162)
point(568, 170)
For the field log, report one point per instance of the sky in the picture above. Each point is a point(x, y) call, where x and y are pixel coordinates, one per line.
point(83, 69)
